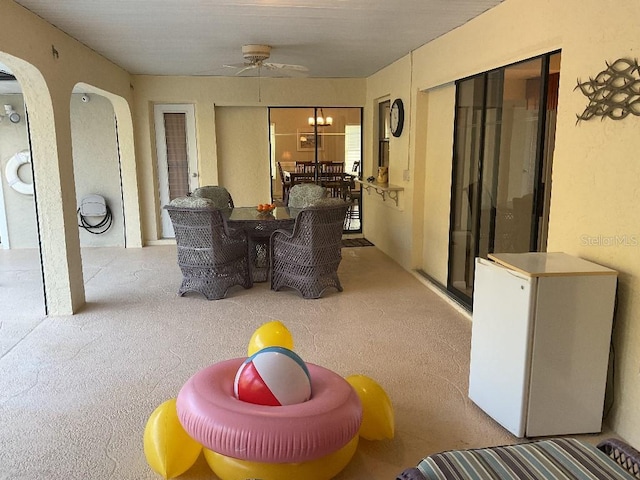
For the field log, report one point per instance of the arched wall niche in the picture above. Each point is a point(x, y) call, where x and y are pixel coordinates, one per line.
point(55, 211)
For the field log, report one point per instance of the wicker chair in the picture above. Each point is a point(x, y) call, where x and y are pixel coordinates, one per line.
point(212, 257)
point(219, 195)
point(305, 194)
point(307, 259)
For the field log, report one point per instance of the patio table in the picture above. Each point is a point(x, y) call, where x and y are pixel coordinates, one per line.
point(259, 226)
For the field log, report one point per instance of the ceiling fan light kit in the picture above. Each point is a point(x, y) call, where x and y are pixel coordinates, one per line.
point(256, 53)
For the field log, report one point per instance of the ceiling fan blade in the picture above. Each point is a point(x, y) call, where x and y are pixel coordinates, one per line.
point(237, 65)
point(248, 67)
point(285, 66)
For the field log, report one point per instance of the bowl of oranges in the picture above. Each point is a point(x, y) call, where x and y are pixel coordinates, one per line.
point(266, 207)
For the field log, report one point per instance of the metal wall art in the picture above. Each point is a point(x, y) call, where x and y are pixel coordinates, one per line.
point(614, 92)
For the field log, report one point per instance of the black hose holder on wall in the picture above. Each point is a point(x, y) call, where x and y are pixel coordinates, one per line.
point(95, 206)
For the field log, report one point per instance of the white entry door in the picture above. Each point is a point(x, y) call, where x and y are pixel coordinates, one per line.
point(177, 156)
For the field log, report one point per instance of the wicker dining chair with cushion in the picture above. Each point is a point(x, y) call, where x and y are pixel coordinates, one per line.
point(307, 259)
point(219, 195)
point(305, 194)
point(212, 257)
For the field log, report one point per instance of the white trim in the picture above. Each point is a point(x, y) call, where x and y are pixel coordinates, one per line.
point(4, 227)
point(272, 149)
point(162, 241)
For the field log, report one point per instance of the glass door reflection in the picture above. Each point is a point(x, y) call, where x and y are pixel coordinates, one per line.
point(316, 144)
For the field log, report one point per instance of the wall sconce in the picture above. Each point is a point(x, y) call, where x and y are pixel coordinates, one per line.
point(11, 114)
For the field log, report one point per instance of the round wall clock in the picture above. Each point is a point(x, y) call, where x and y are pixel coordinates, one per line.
point(397, 117)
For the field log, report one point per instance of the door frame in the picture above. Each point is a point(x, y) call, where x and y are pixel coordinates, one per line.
point(542, 185)
point(4, 228)
point(161, 151)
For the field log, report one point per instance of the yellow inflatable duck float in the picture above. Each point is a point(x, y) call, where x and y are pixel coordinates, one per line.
point(287, 443)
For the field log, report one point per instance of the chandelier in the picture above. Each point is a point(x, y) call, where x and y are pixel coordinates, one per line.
point(321, 120)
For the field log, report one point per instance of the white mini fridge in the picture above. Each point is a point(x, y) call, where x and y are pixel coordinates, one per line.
point(540, 342)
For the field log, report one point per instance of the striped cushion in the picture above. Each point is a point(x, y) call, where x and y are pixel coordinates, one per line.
point(547, 459)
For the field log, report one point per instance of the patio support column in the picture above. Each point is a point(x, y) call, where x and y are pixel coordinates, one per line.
point(55, 195)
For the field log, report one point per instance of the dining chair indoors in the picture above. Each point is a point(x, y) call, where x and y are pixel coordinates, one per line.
point(305, 167)
point(219, 195)
point(354, 197)
point(332, 167)
point(212, 257)
point(307, 259)
point(286, 184)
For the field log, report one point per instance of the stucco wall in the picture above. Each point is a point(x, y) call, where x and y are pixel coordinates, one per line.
point(243, 167)
point(595, 175)
point(96, 170)
point(387, 225)
point(96, 165)
point(231, 129)
point(436, 182)
point(19, 209)
point(48, 66)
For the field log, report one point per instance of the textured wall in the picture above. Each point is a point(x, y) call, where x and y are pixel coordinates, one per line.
point(96, 164)
point(96, 169)
point(595, 168)
point(243, 154)
point(387, 225)
point(19, 209)
point(231, 114)
point(48, 65)
point(437, 182)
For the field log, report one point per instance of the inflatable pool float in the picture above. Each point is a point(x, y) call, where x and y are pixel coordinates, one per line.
point(243, 436)
point(269, 416)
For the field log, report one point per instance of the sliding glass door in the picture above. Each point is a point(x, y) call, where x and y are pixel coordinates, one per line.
point(316, 144)
point(505, 121)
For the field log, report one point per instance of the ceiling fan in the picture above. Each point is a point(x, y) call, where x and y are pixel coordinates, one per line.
point(255, 56)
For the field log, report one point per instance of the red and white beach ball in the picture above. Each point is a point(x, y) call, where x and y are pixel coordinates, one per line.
point(273, 376)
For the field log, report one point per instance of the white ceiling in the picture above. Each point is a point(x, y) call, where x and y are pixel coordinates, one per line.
point(333, 38)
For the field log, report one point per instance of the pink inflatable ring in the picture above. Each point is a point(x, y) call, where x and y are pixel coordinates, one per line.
point(211, 415)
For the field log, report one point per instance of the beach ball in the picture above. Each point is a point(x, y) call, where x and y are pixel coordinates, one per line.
point(270, 334)
point(273, 376)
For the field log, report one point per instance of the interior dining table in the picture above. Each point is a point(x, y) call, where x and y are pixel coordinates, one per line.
point(259, 226)
point(338, 183)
